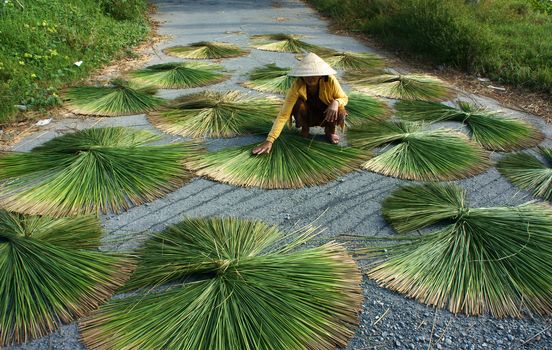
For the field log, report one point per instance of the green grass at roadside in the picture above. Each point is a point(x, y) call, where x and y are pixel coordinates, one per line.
point(509, 41)
point(41, 40)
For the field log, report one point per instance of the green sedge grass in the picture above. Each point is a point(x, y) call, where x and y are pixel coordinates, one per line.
point(216, 114)
point(485, 260)
point(293, 162)
point(179, 75)
point(51, 273)
point(285, 43)
point(270, 78)
point(490, 129)
point(415, 154)
point(118, 98)
point(401, 86)
point(206, 50)
point(363, 108)
point(353, 61)
point(92, 171)
point(258, 292)
point(529, 173)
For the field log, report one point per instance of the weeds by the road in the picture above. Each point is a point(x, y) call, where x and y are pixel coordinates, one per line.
point(505, 40)
point(47, 44)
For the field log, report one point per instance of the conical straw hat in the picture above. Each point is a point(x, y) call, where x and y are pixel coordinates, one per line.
point(310, 66)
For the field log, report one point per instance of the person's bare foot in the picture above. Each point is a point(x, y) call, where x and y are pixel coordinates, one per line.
point(333, 138)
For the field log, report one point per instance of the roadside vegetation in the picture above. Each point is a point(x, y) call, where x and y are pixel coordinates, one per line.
point(505, 40)
point(47, 44)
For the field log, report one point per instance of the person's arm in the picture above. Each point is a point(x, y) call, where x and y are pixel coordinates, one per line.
point(285, 113)
point(281, 120)
point(340, 100)
point(339, 94)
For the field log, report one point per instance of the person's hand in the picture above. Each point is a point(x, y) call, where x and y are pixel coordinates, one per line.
point(331, 112)
point(264, 147)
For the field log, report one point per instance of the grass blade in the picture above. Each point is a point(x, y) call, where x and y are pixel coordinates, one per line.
point(529, 173)
point(414, 207)
point(118, 98)
point(363, 109)
point(294, 162)
point(490, 129)
point(179, 75)
point(423, 155)
point(216, 114)
point(401, 86)
point(254, 297)
point(488, 260)
point(270, 78)
point(206, 50)
point(92, 171)
point(353, 61)
point(49, 274)
point(199, 246)
point(285, 43)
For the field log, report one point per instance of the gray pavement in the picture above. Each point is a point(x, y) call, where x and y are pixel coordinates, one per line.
point(349, 205)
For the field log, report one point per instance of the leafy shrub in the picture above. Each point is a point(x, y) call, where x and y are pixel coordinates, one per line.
point(124, 9)
point(501, 39)
point(434, 27)
point(544, 6)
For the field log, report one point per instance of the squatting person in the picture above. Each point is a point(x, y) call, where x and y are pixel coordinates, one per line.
point(315, 99)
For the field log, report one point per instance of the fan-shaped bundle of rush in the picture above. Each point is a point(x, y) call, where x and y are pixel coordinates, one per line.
point(285, 43)
point(118, 98)
point(526, 171)
point(293, 162)
point(217, 114)
point(51, 273)
point(490, 129)
point(364, 108)
point(179, 75)
point(401, 86)
point(270, 78)
point(493, 260)
point(353, 61)
point(206, 50)
point(91, 171)
point(252, 295)
point(425, 155)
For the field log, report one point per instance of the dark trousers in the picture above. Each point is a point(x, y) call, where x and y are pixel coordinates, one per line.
point(312, 114)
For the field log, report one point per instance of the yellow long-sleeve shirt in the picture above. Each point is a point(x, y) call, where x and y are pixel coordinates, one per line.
point(328, 92)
